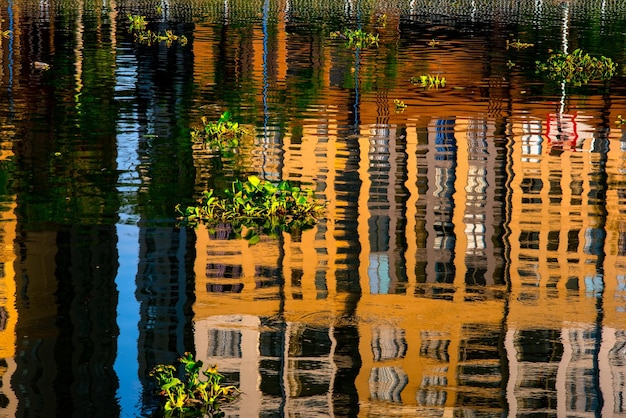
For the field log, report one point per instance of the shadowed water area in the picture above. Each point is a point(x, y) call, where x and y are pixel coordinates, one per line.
point(471, 260)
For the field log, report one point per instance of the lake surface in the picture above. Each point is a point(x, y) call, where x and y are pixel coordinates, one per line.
point(472, 260)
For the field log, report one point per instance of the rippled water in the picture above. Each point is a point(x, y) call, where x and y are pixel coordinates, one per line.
point(473, 257)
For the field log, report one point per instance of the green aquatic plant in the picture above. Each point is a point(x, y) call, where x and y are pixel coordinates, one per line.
point(400, 106)
point(138, 26)
point(220, 135)
point(137, 23)
point(356, 38)
point(192, 395)
point(429, 81)
point(167, 37)
point(382, 20)
point(577, 68)
point(256, 207)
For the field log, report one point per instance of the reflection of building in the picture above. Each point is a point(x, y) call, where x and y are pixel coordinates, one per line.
point(434, 353)
point(8, 311)
point(59, 264)
point(434, 216)
point(568, 371)
point(564, 357)
point(386, 203)
point(285, 369)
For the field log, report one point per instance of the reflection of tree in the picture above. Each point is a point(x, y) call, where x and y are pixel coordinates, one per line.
point(64, 160)
point(73, 182)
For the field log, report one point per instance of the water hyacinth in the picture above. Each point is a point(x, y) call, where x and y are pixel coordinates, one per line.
point(577, 68)
point(256, 207)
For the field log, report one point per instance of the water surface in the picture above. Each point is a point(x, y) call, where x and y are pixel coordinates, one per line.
point(473, 256)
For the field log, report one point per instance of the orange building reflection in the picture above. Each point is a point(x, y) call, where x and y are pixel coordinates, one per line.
point(8, 311)
point(482, 271)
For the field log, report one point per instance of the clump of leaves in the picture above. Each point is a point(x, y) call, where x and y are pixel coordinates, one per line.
point(400, 106)
point(356, 38)
point(220, 135)
point(429, 81)
point(192, 395)
point(577, 68)
point(137, 23)
point(149, 37)
point(382, 20)
point(256, 207)
point(138, 26)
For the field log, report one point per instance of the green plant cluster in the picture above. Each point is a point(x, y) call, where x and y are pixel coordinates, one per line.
point(256, 207)
point(429, 81)
point(192, 396)
point(223, 134)
point(137, 23)
point(400, 106)
point(138, 26)
point(356, 38)
point(577, 68)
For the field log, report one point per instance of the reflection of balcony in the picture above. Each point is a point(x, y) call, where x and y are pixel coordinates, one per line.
point(566, 371)
point(388, 343)
point(431, 392)
point(294, 362)
point(229, 272)
point(387, 383)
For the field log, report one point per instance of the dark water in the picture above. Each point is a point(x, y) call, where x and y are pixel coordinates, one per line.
point(473, 257)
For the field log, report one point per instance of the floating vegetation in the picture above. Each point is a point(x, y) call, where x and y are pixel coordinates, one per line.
point(149, 37)
point(429, 81)
point(192, 396)
point(356, 38)
point(518, 45)
point(138, 26)
point(6, 33)
point(433, 43)
point(400, 106)
point(382, 20)
point(620, 121)
point(256, 207)
point(577, 68)
point(223, 134)
point(138, 23)
point(510, 64)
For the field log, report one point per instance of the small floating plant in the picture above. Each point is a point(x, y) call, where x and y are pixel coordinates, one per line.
point(429, 81)
point(192, 395)
point(356, 38)
point(138, 25)
point(222, 134)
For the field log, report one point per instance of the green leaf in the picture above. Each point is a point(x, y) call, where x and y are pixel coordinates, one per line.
point(172, 383)
point(254, 180)
point(254, 239)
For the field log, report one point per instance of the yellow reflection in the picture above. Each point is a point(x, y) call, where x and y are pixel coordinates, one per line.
point(445, 251)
